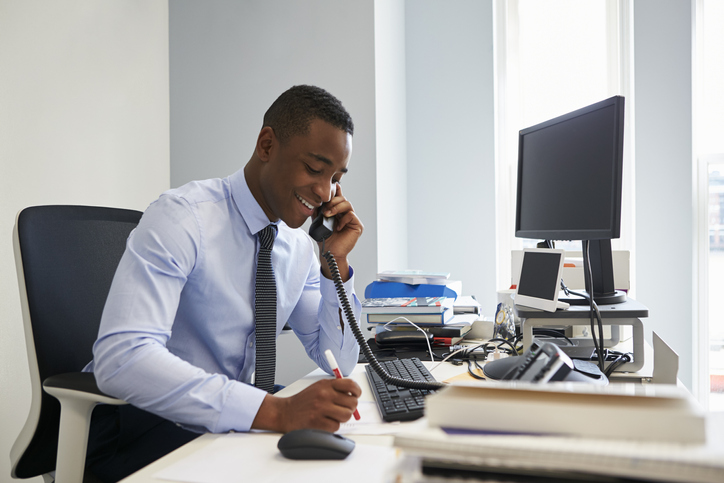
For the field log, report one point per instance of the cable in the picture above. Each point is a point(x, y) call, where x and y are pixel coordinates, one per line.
point(592, 302)
point(427, 339)
point(352, 322)
point(620, 359)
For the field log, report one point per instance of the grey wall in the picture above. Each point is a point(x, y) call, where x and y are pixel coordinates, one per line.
point(451, 143)
point(664, 172)
point(84, 120)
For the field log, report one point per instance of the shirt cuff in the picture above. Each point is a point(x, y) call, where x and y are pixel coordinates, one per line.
point(240, 409)
point(329, 290)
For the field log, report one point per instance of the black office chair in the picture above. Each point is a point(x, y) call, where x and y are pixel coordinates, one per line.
point(65, 258)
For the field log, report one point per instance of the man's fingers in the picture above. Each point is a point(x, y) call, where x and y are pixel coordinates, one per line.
point(347, 386)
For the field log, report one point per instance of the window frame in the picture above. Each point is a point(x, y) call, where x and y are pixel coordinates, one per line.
point(620, 80)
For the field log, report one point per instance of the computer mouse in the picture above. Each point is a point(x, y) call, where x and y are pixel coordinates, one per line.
point(314, 444)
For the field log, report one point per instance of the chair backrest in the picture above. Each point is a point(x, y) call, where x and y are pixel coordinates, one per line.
point(66, 257)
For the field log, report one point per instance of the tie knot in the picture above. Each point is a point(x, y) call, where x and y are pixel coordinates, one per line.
point(267, 235)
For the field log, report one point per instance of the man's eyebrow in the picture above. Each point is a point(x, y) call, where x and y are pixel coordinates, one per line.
point(325, 160)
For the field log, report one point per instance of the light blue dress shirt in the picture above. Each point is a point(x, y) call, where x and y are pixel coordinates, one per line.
point(177, 333)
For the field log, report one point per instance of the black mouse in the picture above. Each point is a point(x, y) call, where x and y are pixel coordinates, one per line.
point(314, 444)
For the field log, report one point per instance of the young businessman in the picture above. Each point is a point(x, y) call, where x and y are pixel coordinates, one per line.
point(177, 337)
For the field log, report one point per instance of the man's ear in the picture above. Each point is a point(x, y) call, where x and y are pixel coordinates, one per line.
point(265, 142)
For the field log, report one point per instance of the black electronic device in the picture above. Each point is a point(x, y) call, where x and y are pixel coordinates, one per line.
point(544, 362)
point(400, 403)
point(569, 187)
point(403, 338)
point(314, 444)
point(322, 227)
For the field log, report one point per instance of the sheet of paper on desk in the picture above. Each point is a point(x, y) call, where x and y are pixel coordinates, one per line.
point(245, 457)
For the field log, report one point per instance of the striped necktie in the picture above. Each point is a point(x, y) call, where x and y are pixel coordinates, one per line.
point(265, 312)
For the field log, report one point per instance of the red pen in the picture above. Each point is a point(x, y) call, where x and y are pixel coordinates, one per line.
point(335, 368)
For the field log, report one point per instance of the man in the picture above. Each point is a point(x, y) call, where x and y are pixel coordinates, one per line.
point(177, 337)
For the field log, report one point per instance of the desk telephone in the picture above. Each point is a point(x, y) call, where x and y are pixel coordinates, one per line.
point(322, 228)
point(542, 362)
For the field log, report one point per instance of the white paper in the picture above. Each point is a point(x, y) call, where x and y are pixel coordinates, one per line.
point(245, 457)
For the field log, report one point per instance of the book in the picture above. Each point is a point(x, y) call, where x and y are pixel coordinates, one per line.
point(448, 330)
point(466, 304)
point(565, 457)
point(446, 341)
point(422, 319)
point(406, 305)
point(653, 412)
point(382, 288)
point(414, 276)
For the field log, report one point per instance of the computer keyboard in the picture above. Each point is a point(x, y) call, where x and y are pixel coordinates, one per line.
point(400, 403)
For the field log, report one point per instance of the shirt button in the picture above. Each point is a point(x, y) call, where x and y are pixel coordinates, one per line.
point(251, 344)
point(339, 327)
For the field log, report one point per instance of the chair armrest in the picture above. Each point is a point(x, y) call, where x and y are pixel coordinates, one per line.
point(79, 385)
point(78, 394)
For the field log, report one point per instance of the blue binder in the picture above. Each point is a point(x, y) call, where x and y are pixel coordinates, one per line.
point(381, 289)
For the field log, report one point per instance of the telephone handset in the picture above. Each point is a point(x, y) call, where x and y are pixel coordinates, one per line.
point(322, 227)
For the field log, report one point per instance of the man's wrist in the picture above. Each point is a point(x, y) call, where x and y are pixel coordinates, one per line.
point(344, 270)
point(270, 414)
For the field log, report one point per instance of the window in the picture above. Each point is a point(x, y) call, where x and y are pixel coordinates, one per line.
point(709, 125)
point(553, 57)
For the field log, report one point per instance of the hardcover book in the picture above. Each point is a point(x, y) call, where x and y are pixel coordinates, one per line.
point(406, 305)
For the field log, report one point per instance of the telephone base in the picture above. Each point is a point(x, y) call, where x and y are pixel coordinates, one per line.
point(496, 370)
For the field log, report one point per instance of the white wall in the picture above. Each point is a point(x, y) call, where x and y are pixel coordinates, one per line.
point(451, 143)
point(83, 120)
point(664, 173)
point(391, 134)
point(230, 60)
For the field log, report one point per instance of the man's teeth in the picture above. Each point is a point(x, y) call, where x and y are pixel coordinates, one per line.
point(305, 203)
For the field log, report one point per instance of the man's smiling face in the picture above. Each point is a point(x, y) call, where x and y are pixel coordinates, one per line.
point(301, 174)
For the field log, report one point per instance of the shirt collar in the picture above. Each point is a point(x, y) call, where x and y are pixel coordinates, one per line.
point(250, 210)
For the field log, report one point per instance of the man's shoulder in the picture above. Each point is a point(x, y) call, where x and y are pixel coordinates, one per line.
point(202, 191)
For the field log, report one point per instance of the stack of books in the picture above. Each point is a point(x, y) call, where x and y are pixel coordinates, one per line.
point(427, 299)
point(652, 432)
point(402, 310)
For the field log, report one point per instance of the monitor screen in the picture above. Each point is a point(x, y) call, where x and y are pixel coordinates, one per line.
point(569, 175)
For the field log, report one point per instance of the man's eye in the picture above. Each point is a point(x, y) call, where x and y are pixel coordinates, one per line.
point(311, 170)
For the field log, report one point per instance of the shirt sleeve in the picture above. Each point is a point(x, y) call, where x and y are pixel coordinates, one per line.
point(131, 360)
point(319, 321)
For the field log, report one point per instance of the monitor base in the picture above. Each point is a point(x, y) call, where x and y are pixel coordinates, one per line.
point(617, 297)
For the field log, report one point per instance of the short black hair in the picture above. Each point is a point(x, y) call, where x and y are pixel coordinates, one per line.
point(297, 107)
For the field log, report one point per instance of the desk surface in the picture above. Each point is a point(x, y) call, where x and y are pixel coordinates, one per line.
point(374, 443)
point(442, 372)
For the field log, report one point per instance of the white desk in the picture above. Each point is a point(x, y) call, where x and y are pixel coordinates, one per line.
point(441, 373)
point(373, 456)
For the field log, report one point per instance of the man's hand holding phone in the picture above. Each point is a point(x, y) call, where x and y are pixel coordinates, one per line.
point(347, 229)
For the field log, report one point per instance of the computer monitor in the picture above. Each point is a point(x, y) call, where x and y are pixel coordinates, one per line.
point(569, 186)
